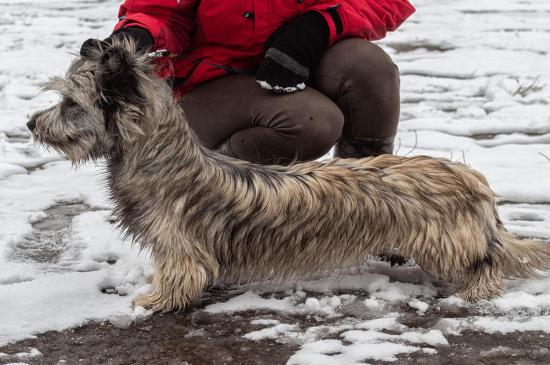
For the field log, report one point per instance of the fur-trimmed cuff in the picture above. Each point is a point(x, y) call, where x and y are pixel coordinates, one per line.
point(279, 78)
point(287, 62)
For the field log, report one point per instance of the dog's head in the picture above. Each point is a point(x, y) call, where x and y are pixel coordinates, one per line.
point(102, 103)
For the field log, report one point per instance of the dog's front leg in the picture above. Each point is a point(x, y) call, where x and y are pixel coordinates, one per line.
point(178, 281)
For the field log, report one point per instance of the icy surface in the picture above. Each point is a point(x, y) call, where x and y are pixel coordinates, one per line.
point(475, 89)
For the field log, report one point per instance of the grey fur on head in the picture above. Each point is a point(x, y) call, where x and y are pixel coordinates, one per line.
point(208, 219)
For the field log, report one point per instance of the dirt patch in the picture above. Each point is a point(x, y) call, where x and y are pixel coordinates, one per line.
point(198, 337)
point(195, 338)
point(404, 47)
point(490, 136)
point(482, 348)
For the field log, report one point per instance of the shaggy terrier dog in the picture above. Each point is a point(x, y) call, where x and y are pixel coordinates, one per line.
point(209, 219)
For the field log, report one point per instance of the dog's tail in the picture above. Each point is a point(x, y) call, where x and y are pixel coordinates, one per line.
point(522, 258)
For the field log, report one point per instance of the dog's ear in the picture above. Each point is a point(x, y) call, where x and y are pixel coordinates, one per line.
point(117, 76)
point(117, 79)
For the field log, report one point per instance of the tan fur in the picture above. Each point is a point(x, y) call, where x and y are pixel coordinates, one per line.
point(209, 219)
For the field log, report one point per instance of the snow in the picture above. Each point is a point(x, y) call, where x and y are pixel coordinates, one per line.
point(507, 325)
point(378, 286)
point(250, 301)
point(475, 88)
point(7, 169)
point(420, 306)
point(282, 89)
point(27, 307)
point(368, 339)
point(31, 354)
point(364, 346)
point(270, 332)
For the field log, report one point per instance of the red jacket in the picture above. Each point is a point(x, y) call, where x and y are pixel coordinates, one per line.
point(215, 37)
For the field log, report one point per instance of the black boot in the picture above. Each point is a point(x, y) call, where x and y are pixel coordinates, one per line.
point(355, 147)
point(393, 259)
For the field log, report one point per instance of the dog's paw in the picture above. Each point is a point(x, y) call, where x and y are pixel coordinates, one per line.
point(152, 302)
point(157, 302)
point(482, 291)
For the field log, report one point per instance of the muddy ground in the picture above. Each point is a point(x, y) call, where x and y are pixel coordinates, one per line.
point(197, 337)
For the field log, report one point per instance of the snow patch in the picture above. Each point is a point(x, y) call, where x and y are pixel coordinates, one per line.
point(271, 332)
point(420, 306)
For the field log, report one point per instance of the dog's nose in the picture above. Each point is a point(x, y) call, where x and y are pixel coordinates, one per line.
point(31, 124)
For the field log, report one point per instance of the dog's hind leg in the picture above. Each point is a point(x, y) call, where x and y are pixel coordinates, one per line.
point(178, 281)
point(484, 281)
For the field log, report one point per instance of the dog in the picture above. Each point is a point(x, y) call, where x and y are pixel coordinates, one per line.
point(209, 219)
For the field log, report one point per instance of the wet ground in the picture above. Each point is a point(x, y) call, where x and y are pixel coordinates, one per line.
point(49, 238)
point(197, 337)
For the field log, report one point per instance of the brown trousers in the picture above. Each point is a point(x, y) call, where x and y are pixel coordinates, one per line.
point(353, 101)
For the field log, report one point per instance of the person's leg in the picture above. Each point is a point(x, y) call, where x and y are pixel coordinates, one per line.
point(236, 117)
point(364, 82)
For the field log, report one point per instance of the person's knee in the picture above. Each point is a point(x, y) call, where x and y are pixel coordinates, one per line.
point(371, 62)
point(363, 80)
point(320, 133)
point(312, 123)
point(360, 63)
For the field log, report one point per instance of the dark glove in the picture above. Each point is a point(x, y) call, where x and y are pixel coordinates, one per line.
point(142, 37)
point(292, 51)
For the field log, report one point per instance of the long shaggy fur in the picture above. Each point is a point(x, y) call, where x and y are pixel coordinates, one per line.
point(209, 219)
